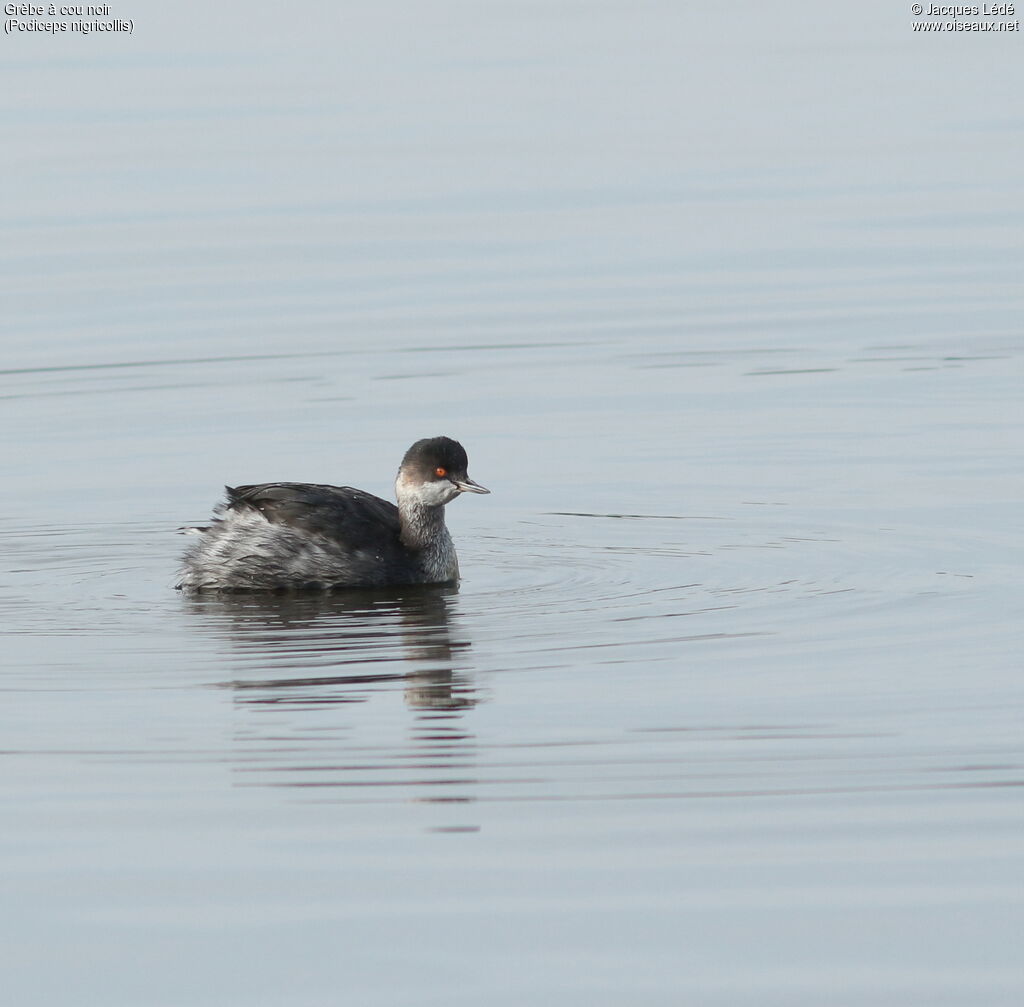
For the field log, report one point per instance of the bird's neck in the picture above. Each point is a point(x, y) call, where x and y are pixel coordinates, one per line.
point(421, 526)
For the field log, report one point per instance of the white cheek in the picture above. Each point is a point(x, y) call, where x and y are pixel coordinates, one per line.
point(436, 494)
point(432, 494)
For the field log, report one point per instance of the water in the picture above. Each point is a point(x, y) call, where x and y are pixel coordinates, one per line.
point(725, 306)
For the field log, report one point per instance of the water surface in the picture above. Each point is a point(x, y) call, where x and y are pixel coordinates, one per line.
point(726, 311)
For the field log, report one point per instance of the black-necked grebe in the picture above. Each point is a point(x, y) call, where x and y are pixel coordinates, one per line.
point(295, 536)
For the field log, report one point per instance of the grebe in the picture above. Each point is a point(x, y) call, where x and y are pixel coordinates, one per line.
point(305, 536)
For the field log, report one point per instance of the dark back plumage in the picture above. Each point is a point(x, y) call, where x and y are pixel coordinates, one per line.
point(349, 516)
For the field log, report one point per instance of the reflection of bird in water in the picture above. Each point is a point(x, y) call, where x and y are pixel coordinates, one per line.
point(295, 536)
point(302, 664)
point(363, 638)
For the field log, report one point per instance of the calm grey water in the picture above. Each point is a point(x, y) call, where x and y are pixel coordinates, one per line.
point(725, 304)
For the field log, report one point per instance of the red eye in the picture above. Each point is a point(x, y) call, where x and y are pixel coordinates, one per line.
point(439, 471)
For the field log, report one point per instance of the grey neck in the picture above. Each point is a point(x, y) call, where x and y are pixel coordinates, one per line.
point(421, 526)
